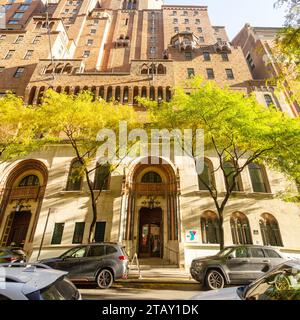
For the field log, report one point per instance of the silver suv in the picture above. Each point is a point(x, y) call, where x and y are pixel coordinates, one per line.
point(96, 262)
point(235, 265)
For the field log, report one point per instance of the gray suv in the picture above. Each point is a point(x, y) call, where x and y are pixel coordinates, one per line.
point(235, 265)
point(97, 262)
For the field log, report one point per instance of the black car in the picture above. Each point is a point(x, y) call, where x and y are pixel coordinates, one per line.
point(11, 255)
point(98, 262)
point(235, 265)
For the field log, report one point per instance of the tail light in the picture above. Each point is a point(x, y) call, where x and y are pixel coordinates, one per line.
point(122, 258)
point(11, 259)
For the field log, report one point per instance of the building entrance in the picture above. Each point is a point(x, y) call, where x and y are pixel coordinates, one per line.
point(150, 233)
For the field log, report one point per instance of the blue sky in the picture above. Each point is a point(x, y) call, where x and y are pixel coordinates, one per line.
point(235, 13)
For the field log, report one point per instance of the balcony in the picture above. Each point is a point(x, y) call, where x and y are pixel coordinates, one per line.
point(222, 46)
point(27, 193)
point(122, 43)
point(185, 41)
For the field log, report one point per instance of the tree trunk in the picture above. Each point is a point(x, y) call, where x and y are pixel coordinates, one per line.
point(94, 220)
point(91, 237)
point(221, 231)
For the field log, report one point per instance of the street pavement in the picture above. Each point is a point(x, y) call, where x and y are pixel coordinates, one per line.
point(89, 293)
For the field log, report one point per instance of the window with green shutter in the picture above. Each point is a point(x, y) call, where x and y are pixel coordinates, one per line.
point(57, 233)
point(102, 178)
point(78, 232)
point(100, 231)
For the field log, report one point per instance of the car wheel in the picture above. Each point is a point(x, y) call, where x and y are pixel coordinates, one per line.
point(105, 279)
point(215, 280)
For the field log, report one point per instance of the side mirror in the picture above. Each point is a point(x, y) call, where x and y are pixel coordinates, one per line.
point(230, 256)
point(241, 292)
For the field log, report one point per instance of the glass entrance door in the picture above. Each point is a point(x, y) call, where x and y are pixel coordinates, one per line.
point(150, 233)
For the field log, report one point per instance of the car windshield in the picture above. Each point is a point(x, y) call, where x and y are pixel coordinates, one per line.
point(224, 252)
point(282, 284)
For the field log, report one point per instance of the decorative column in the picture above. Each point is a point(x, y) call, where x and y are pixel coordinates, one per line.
point(130, 96)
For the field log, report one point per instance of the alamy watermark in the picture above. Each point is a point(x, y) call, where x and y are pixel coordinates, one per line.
point(151, 146)
point(2, 17)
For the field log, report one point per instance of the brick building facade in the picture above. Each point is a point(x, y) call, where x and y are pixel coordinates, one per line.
point(123, 49)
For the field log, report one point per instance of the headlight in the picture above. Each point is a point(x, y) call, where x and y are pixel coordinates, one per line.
point(197, 264)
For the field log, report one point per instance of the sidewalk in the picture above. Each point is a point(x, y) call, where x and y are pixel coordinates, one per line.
point(164, 277)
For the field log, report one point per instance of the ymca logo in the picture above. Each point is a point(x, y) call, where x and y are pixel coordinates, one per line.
point(192, 236)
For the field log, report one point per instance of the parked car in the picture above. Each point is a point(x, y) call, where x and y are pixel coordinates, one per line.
point(98, 262)
point(281, 283)
point(235, 265)
point(35, 282)
point(12, 254)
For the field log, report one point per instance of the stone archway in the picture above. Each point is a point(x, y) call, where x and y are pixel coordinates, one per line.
point(145, 197)
point(21, 204)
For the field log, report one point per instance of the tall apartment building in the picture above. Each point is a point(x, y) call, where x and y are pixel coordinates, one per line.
point(123, 49)
point(258, 44)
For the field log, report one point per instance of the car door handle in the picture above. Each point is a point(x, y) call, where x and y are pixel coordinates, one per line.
point(245, 261)
point(266, 261)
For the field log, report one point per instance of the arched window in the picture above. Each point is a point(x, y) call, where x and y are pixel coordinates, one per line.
point(206, 178)
point(118, 94)
point(41, 95)
point(51, 24)
point(109, 94)
point(49, 69)
point(31, 95)
point(75, 176)
point(101, 92)
point(152, 93)
point(67, 68)
point(94, 91)
point(38, 25)
point(230, 171)
point(240, 229)
point(67, 90)
point(144, 69)
point(59, 68)
point(152, 69)
point(58, 89)
point(270, 231)
point(269, 100)
point(102, 177)
point(76, 90)
point(144, 92)
point(168, 94)
point(161, 69)
point(210, 228)
point(151, 177)
point(259, 178)
point(30, 181)
point(135, 95)
point(125, 95)
point(160, 94)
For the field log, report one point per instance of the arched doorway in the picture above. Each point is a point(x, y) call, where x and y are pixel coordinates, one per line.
point(151, 210)
point(23, 193)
